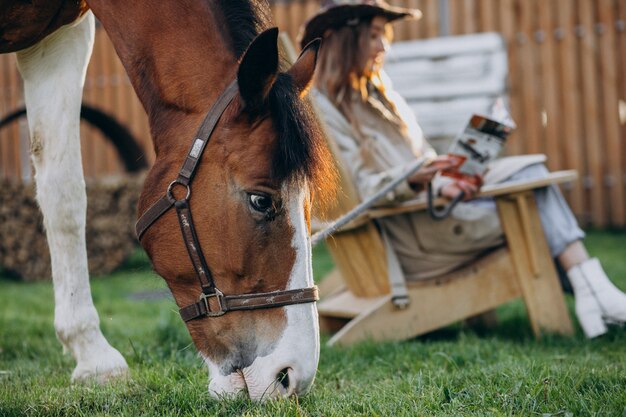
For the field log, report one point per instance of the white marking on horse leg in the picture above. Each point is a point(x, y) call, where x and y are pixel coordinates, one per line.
point(54, 74)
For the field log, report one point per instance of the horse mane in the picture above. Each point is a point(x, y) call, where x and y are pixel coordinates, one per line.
point(301, 152)
point(244, 19)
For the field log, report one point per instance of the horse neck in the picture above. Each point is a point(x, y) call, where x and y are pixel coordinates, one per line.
point(177, 59)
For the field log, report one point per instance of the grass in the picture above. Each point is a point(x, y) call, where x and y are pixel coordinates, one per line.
point(455, 371)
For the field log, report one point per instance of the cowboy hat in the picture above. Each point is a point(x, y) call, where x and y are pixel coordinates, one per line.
point(337, 13)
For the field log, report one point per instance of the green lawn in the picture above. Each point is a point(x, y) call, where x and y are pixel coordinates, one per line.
point(455, 371)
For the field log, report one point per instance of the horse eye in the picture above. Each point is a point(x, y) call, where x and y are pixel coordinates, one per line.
point(261, 203)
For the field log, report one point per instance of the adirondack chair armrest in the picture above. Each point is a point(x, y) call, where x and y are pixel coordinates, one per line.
point(494, 190)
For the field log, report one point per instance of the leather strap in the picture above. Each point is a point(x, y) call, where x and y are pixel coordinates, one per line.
point(193, 247)
point(151, 215)
point(190, 164)
point(217, 304)
point(188, 170)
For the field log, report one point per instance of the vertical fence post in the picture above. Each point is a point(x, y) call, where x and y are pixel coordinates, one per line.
point(444, 18)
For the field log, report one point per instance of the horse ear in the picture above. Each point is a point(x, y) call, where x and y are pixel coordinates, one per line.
point(304, 67)
point(258, 68)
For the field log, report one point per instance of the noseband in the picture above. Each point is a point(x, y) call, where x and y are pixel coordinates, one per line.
point(212, 302)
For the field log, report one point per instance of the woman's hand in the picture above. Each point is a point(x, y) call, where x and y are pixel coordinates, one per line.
point(469, 187)
point(425, 174)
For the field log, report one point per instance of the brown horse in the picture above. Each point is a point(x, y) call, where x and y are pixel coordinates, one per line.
point(252, 174)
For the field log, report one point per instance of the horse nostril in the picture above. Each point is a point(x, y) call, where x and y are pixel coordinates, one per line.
point(283, 378)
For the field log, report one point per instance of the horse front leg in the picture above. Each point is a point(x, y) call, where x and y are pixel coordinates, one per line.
point(54, 75)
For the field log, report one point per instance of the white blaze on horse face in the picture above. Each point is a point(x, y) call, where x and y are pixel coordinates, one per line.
point(297, 350)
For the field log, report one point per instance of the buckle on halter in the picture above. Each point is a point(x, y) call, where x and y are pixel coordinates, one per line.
point(219, 296)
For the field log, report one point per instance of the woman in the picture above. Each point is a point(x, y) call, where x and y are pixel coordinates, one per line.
point(377, 132)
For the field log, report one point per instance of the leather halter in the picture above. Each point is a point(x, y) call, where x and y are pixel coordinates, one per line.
point(212, 302)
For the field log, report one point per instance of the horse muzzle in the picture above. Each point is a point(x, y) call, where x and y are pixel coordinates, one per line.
point(261, 383)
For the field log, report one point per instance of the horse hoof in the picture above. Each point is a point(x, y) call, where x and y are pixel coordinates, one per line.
point(101, 371)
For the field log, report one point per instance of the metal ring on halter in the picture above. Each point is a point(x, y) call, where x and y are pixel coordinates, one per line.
point(169, 190)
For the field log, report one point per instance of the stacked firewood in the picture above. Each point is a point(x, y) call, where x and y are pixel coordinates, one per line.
point(111, 214)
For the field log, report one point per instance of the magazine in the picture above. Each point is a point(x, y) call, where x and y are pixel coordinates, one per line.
point(480, 142)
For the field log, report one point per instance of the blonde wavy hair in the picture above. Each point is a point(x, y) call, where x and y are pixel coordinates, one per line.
point(341, 72)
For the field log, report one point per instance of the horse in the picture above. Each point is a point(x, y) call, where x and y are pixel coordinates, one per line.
point(252, 156)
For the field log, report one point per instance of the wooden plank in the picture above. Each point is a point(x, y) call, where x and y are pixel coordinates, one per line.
point(529, 126)
point(414, 28)
point(614, 170)
point(527, 232)
point(400, 27)
point(541, 288)
point(551, 116)
point(494, 190)
point(419, 26)
point(594, 142)
point(570, 103)
point(621, 28)
point(360, 256)
point(487, 9)
point(509, 29)
point(485, 285)
point(559, 177)
point(455, 13)
point(469, 16)
point(430, 19)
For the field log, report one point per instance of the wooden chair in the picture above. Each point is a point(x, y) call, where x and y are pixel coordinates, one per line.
point(358, 306)
point(356, 296)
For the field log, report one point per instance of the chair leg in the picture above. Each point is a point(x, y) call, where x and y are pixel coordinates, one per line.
point(535, 270)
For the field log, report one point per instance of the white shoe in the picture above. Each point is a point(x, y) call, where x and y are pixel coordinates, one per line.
point(588, 310)
point(611, 299)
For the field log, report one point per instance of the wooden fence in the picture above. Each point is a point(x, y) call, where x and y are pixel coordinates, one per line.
point(567, 75)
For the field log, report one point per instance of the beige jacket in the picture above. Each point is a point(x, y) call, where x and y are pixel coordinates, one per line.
point(425, 248)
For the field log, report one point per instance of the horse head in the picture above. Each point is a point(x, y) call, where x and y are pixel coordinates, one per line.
point(251, 200)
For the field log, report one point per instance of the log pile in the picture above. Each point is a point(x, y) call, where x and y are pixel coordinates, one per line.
point(111, 215)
